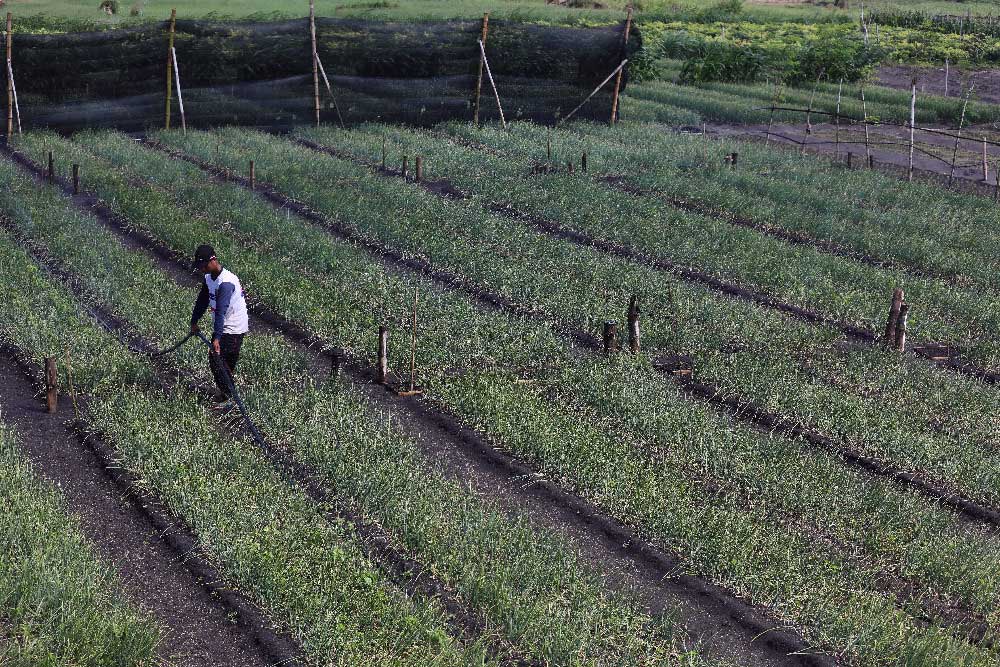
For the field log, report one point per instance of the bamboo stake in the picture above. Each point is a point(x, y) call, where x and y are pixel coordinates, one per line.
point(610, 337)
point(958, 137)
point(618, 81)
point(595, 91)
point(947, 72)
point(418, 169)
point(770, 123)
point(315, 56)
point(10, 79)
point(382, 368)
point(51, 385)
point(72, 388)
point(13, 87)
point(180, 98)
point(170, 64)
point(329, 89)
point(864, 113)
point(482, 61)
point(253, 175)
point(913, 126)
point(812, 97)
point(383, 152)
point(633, 324)
point(489, 74)
point(76, 179)
point(890, 325)
point(900, 342)
point(996, 188)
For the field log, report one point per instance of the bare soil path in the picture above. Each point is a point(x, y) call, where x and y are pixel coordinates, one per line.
point(199, 631)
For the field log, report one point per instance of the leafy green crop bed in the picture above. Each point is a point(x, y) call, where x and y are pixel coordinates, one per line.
point(857, 563)
point(615, 431)
point(59, 604)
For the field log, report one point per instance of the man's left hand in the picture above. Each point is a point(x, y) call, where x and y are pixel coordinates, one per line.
point(215, 346)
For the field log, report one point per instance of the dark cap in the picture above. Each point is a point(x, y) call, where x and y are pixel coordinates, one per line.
point(203, 254)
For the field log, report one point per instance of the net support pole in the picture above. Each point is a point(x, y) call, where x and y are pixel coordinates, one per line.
point(10, 79)
point(986, 168)
point(489, 74)
point(13, 87)
point(315, 57)
point(170, 66)
point(595, 91)
point(958, 137)
point(947, 74)
point(329, 89)
point(180, 98)
point(482, 61)
point(621, 69)
point(913, 127)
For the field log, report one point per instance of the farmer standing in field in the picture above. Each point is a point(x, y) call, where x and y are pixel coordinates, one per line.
point(223, 294)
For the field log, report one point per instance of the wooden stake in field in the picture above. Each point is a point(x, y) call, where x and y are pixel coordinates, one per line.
point(610, 337)
point(583, 162)
point(403, 171)
point(51, 385)
point(996, 187)
point(315, 56)
point(180, 97)
point(482, 61)
point(253, 175)
point(76, 180)
point(890, 325)
point(900, 341)
point(10, 79)
point(840, 92)
point(864, 114)
point(947, 73)
point(419, 167)
point(382, 365)
point(618, 81)
point(493, 84)
point(383, 152)
point(913, 127)
point(809, 115)
point(633, 324)
point(52, 169)
point(170, 65)
point(958, 136)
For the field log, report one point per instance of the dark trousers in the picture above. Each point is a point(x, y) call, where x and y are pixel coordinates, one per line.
point(229, 347)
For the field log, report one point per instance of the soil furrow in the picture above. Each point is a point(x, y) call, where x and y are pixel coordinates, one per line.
point(410, 575)
point(741, 408)
point(157, 555)
point(719, 622)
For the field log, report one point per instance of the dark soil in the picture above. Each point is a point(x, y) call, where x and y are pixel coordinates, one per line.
point(113, 517)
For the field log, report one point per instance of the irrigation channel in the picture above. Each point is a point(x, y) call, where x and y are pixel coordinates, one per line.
point(740, 408)
point(721, 623)
point(156, 554)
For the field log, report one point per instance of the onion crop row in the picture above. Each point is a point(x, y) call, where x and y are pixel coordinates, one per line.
point(309, 574)
point(61, 603)
point(529, 585)
point(875, 401)
point(917, 225)
point(608, 445)
point(843, 290)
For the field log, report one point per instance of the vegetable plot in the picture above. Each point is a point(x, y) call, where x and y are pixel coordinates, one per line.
point(588, 426)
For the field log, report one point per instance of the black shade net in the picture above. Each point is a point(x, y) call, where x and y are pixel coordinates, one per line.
point(260, 74)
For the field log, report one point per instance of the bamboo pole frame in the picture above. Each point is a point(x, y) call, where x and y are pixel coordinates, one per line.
point(913, 126)
point(482, 62)
point(864, 113)
point(621, 69)
point(329, 89)
point(489, 74)
point(315, 57)
point(595, 91)
point(840, 92)
point(180, 98)
point(170, 68)
point(958, 137)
